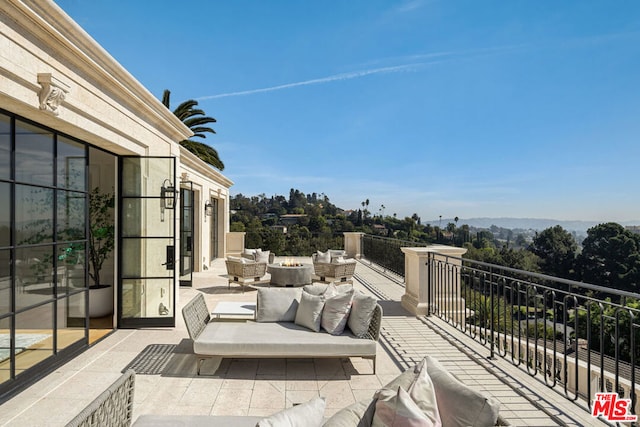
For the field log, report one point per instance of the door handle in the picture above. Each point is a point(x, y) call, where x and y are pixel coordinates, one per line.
point(170, 258)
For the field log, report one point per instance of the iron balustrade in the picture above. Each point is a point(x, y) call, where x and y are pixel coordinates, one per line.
point(576, 337)
point(386, 252)
point(580, 337)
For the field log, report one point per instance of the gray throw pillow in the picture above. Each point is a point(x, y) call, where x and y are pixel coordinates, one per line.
point(309, 311)
point(336, 312)
point(361, 313)
point(277, 305)
point(315, 288)
point(308, 414)
point(452, 396)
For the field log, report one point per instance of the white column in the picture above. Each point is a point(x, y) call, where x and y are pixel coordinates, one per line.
point(418, 284)
point(353, 244)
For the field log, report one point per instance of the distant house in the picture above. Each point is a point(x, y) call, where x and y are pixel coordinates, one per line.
point(281, 228)
point(379, 229)
point(291, 219)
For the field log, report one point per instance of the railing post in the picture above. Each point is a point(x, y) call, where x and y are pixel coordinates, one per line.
point(235, 243)
point(422, 293)
point(416, 281)
point(353, 244)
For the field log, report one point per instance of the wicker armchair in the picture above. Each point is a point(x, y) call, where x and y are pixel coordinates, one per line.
point(251, 254)
point(245, 272)
point(334, 271)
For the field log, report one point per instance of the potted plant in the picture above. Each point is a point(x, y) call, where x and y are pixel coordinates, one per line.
point(101, 244)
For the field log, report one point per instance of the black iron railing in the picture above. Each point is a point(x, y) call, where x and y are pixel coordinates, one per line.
point(575, 337)
point(386, 252)
point(579, 337)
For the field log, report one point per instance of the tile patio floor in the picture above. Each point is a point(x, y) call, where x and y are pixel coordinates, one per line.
point(264, 386)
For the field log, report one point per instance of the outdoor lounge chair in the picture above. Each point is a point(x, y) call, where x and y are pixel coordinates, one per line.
point(243, 271)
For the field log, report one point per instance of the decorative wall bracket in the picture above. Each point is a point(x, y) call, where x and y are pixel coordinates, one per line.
point(52, 93)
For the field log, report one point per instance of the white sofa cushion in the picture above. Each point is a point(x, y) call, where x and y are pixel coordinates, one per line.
point(336, 312)
point(361, 313)
point(241, 260)
point(309, 311)
point(277, 304)
point(277, 339)
point(310, 414)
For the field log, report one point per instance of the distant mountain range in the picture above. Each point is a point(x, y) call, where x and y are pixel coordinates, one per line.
point(524, 223)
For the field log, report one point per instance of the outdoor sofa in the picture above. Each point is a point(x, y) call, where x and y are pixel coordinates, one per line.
point(288, 324)
point(426, 391)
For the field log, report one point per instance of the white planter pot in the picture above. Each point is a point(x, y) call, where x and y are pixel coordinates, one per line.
point(101, 301)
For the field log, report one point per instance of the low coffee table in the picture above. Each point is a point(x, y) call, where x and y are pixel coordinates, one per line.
point(234, 309)
point(289, 276)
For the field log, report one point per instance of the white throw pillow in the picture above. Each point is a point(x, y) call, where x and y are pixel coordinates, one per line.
point(336, 312)
point(262, 256)
point(334, 253)
point(308, 414)
point(453, 396)
point(397, 409)
point(323, 257)
point(423, 393)
point(309, 312)
point(361, 313)
point(332, 289)
point(277, 305)
point(250, 253)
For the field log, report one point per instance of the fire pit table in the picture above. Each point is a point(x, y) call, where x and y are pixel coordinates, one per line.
point(290, 275)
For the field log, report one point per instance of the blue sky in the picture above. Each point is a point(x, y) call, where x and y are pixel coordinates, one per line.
point(453, 108)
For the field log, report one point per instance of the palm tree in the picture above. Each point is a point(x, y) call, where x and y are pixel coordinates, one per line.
point(195, 119)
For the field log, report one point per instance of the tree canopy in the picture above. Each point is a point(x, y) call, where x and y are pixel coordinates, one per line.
point(196, 120)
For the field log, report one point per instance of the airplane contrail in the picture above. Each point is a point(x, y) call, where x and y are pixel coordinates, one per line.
point(356, 74)
point(335, 77)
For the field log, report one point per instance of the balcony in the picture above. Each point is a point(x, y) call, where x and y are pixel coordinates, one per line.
point(451, 330)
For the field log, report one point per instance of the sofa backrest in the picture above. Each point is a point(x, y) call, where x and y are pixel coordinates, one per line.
point(113, 407)
point(196, 316)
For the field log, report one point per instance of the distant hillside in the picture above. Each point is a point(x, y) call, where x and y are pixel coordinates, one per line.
point(524, 223)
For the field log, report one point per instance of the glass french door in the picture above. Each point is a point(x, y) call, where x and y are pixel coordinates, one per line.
point(186, 234)
point(146, 291)
point(213, 245)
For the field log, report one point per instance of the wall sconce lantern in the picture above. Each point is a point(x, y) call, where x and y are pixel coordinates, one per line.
point(167, 197)
point(208, 209)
